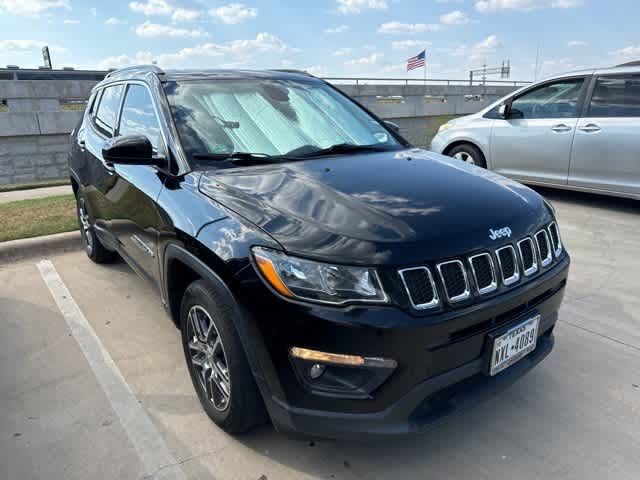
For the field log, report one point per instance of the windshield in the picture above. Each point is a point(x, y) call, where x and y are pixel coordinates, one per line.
point(269, 117)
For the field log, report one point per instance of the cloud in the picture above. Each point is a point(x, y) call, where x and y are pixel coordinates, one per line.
point(357, 6)
point(338, 29)
point(342, 52)
point(404, 44)
point(68, 21)
point(240, 51)
point(152, 7)
point(485, 47)
point(32, 7)
point(115, 21)
point(397, 27)
point(152, 30)
point(17, 47)
point(317, 70)
point(185, 15)
point(233, 13)
point(631, 52)
point(368, 60)
point(454, 18)
point(577, 43)
point(93, 11)
point(485, 6)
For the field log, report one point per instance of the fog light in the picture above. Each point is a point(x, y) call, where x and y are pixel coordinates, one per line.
point(316, 371)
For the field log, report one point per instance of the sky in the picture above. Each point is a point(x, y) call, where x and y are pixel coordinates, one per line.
point(362, 38)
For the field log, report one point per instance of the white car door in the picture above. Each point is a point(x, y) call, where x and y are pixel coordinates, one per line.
point(534, 142)
point(606, 147)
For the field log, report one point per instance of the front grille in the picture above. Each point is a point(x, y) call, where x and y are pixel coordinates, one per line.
point(420, 287)
point(542, 239)
point(483, 273)
point(556, 243)
point(528, 256)
point(454, 278)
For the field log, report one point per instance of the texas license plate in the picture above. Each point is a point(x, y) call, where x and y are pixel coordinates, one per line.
point(513, 345)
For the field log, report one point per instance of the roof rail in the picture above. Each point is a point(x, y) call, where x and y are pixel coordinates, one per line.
point(150, 68)
point(293, 70)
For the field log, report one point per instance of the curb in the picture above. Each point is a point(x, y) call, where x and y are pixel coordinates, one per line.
point(28, 248)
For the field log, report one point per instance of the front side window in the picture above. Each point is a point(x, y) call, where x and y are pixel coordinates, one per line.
point(553, 100)
point(107, 111)
point(616, 97)
point(139, 117)
point(271, 117)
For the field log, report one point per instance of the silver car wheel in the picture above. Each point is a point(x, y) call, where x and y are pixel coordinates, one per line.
point(208, 357)
point(465, 157)
point(85, 226)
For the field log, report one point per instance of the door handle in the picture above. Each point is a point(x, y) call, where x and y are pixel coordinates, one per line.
point(590, 128)
point(561, 128)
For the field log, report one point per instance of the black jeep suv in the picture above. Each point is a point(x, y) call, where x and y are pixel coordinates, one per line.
point(322, 272)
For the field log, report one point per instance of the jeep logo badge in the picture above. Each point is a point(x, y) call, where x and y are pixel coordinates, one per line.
point(499, 233)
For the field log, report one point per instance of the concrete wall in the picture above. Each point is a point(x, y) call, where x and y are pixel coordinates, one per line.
point(35, 123)
point(419, 110)
point(37, 116)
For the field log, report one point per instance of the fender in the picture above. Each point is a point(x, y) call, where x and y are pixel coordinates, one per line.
point(249, 334)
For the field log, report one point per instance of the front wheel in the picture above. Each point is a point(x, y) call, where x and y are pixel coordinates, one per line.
point(469, 154)
point(216, 360)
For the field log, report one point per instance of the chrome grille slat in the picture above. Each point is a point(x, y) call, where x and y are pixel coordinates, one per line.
point(556, 241)
point(483, 286)
point(419, 297)
point(544, 247)
point(515, 275)
point(451, 273)
point(528, 256)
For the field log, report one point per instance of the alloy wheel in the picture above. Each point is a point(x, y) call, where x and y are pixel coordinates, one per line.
point(208, 357)
point(465, 157)
point(85, 226)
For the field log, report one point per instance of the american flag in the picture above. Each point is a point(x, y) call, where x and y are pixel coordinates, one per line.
point(417, 61)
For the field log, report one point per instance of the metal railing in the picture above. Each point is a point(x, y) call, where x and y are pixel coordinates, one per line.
point(357, 81)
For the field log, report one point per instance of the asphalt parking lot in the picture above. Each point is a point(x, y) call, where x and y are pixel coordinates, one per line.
point(119, 404)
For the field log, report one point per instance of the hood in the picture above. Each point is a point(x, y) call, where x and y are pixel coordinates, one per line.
point(378, 208)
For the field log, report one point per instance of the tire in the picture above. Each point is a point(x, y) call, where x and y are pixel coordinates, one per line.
point(90, 241)
point(468, 153)
point(217, 361)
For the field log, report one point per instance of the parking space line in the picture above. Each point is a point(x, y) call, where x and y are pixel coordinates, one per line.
point(154, 454)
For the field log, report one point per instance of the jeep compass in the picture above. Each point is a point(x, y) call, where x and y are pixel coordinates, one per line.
point(323, 274)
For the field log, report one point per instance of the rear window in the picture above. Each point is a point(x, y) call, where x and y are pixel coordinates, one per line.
point(616, 97)
point(107, 110)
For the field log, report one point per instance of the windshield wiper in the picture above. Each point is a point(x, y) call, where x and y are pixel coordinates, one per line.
point(308, 151)
point(237, 156)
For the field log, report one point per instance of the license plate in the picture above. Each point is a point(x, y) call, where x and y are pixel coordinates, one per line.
point(513, 345)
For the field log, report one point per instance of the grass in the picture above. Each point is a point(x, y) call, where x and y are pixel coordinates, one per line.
point(31, 186)
point(36, 217)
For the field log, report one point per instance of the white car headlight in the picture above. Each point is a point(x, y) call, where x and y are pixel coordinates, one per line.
point(444, 127)
point(303, 279)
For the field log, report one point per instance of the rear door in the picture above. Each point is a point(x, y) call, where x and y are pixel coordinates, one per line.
point(534, 142)
point(606, 148)
point(135, 219)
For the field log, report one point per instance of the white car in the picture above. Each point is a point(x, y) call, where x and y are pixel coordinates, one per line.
point(579, 130)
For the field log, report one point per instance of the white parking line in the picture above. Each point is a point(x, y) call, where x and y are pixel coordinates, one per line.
point(156, 459)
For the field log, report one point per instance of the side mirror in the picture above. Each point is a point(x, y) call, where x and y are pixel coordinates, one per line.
point(393, 126)
point(130, 150)
point(504, 110)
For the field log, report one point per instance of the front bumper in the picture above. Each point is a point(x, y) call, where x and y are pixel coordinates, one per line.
point(440, 358)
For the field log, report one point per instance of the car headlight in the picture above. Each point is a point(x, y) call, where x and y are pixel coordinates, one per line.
point(298, 278)
point(444, 127)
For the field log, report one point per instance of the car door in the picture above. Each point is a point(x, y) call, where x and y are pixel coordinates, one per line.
point(135, 220)
point(606, 147)
point(101, 189)
point(534, 142)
